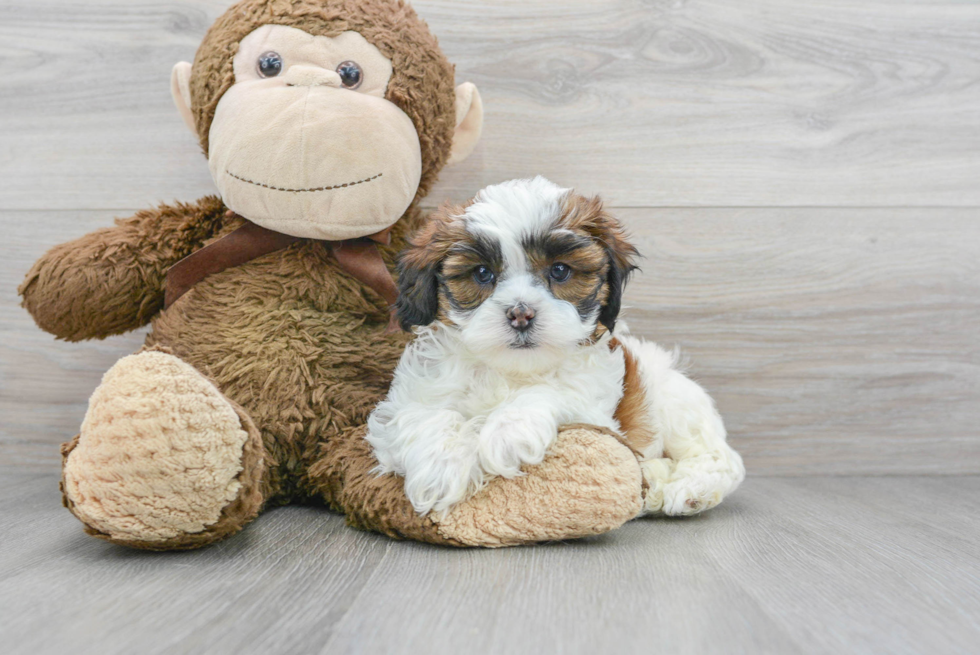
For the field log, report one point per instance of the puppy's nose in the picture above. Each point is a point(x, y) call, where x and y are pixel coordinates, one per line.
point(520, 317)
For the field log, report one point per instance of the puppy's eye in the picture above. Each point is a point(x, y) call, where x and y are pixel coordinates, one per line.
point(483, 275)
point(270, 64)
point(560, 272)
point(350, 75)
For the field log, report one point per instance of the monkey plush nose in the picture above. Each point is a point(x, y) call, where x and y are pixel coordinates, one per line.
point(520, 316)
point(299, 75)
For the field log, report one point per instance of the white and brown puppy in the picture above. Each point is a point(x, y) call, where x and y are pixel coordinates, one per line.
point(517, 295)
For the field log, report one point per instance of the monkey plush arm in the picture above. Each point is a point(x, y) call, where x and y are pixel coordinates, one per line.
point(112, 280)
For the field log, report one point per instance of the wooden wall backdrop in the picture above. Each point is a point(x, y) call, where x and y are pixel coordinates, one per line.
point(803, 177)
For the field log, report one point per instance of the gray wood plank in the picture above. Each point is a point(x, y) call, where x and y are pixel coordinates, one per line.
point(701, 103)
point(645, 587)
point(815, 565)
point(835, 341)
point(843, 556)
point(791, 565)
point(280, 586)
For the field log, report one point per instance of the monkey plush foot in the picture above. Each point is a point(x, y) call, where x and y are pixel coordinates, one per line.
point(590, 483)
point(164, 461)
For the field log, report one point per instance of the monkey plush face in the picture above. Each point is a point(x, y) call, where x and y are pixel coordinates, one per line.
point(305, 142)
point(310, 120)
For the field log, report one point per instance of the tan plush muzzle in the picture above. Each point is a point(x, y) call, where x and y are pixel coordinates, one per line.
point(295, 150)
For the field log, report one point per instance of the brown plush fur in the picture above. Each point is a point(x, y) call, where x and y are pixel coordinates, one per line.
point(112, 281)
point(297, 346)
point(297, 342)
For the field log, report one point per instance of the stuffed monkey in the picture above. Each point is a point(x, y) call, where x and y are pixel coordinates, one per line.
point(325, 122)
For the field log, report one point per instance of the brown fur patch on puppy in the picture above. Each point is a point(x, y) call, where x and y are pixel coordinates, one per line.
point(586, 217)
point(632, 410)
point(459, 288)
point(586, 287)
point(419, 266)
point(438, 234)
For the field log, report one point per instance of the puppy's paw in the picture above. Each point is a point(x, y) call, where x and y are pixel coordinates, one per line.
point(444, 481)
point(690, 486)
point(656, 474)
point(692, 495)
point(692, 492)
point(512, 438)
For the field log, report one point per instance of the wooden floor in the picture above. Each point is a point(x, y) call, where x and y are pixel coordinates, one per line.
point(815, 565)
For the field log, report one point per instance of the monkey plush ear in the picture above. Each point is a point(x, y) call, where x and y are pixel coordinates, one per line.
point(469, 122)
point(180, 88)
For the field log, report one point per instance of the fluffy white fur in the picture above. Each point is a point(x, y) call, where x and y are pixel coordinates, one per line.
point(450, 421)
point(466, 404)
point(689, 467)
point(507, 212)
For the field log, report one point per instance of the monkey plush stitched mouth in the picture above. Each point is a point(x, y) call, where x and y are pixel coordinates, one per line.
point(310, 139)
point(306, 142)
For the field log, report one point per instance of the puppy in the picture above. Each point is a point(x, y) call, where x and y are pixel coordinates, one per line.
point(515, 297)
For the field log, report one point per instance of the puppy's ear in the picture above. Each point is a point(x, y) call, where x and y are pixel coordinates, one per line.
point(621, 266)
point(589, 215)
point(418, 294)
point(419, 266)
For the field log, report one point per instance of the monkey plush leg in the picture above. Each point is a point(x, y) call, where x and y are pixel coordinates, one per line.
point(163, 461)
point(590, 483)
point(688, 466)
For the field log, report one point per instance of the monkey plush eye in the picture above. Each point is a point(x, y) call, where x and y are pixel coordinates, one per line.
point(483, 275)
point(270, 64)
point(560, 272)
point(350, 75)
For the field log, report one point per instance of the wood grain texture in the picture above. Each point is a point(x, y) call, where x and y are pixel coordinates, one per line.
point(835, 341)
point(652, 102)
point(815, 565)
